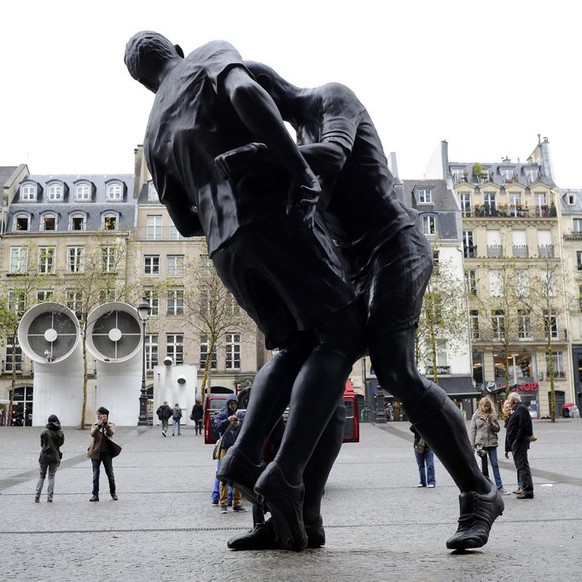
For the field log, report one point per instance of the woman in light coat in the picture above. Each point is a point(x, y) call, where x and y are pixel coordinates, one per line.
point(483, 435)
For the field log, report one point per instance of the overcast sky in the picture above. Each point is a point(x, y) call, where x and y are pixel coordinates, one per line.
point(486, 76)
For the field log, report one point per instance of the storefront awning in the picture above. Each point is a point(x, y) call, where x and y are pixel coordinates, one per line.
point(459, 387)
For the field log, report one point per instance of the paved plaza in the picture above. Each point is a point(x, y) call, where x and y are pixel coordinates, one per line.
point(379, 525)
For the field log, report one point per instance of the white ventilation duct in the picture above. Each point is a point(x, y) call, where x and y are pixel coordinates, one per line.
point(49, 335)
point(114, 339)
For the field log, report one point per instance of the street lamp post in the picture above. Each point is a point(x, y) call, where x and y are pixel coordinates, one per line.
point(143, 310)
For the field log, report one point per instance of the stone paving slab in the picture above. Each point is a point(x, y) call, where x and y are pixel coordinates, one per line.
point(379, 525)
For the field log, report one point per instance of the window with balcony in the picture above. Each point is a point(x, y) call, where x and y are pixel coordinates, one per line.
point(465, 200)
point(577, 225)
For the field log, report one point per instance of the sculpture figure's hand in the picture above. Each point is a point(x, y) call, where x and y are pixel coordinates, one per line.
point(234, 163)
point(303, 196)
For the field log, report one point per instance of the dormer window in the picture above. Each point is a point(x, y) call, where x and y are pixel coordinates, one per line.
point(110, 221)
point(21, 222)
point(114, 191)
point(77, 221)
point(424, 195)
point(83, 192)
point(55, 192)
point(48, 221)
point(152, 193)
point(28, 192)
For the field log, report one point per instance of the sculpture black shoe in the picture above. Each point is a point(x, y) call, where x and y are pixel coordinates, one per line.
point(285, 503)
point(261, 537)
point(315, 534)
point(236, 468)
point(478, 512)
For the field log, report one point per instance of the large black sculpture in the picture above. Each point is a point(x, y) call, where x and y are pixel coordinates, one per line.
point(287, 276)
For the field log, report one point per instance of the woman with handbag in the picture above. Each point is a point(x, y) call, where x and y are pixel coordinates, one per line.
point(483, 434)
point(102, 450)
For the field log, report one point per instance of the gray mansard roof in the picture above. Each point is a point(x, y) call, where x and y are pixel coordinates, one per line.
point(94, 208)
point(444, 205)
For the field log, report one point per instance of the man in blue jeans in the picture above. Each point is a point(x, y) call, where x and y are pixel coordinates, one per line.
point(101, 451)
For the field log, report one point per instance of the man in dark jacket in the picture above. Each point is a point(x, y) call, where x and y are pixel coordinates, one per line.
point(51, 439)
point(164, 413)
point(517, 437)
point(227, 424)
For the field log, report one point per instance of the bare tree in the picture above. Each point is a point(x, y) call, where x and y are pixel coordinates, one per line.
point(443, 319)
point(211, 312)
point(546, 303)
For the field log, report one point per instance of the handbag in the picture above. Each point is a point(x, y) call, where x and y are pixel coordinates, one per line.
point(115, 448)
point(216, 449)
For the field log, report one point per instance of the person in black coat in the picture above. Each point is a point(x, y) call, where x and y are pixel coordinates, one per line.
point(517, 438)
point(51, 439)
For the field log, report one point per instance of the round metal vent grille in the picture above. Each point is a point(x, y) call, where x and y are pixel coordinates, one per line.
point(48, 332)
point(114, 332)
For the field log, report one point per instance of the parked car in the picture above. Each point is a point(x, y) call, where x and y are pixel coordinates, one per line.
point(214, 403)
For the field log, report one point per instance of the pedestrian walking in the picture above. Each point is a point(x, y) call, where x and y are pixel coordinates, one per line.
point(176, 417)
point(196, 415)
point(51, 440)
point(164, 413)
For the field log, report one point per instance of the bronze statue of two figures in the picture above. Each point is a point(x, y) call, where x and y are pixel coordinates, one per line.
point(312, 241)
